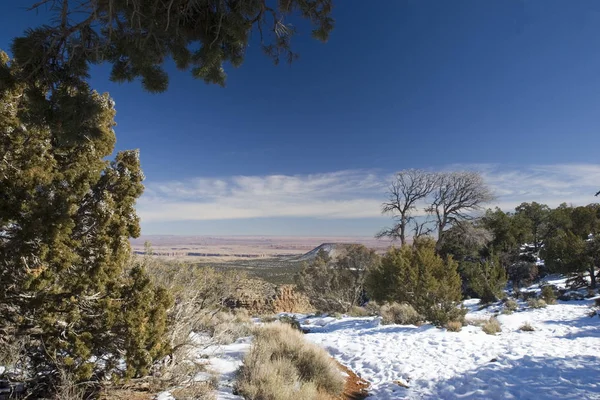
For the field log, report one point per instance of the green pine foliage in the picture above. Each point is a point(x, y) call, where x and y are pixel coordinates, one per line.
point(66, 216)
point(136, 37)
point(418, 276)
point(487, 279)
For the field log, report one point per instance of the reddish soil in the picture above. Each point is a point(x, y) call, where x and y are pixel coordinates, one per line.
point(356, 387)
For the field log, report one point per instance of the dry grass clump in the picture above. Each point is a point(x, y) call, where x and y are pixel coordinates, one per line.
point(511, 305)
point(282, 365)
point(454, 326)
point(399, 313)
point(536, 303)
point(204, 390)
point(526, 327)
point(225, 327)
point(357, 311)
point(492, 326)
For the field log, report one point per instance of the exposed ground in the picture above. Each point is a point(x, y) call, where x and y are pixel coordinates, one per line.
point(229, 248)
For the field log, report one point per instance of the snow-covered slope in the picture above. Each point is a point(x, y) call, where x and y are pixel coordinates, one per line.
point(560, 359)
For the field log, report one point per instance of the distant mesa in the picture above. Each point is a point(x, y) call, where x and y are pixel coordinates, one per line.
point(334, 250)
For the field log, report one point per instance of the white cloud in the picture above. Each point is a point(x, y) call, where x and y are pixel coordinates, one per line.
point(348, 194)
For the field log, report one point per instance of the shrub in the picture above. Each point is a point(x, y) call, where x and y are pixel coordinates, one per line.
point(282, 365)
point(357, 311)
point(492, 326)
point(526, 327)
point(418, 276)
point(291, 321)
point(548, 294)
point(337, 285)
point(536, 303)
point(487, 279)
point(202, 390)
point(401, 314)
point(372, 308)
point(454, 326)
point(268, 318)
point(511, 305)
point(66, 216)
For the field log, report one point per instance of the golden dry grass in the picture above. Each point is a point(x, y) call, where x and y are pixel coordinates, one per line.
point(282, 365)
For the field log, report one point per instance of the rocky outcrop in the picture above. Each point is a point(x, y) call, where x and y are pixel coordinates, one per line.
point(260, 297)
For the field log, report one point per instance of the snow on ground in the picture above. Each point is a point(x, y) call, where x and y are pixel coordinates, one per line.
point(223, 361)
point(560, 359)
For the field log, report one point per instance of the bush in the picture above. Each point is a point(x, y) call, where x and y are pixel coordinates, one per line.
point(454, 326)
point(401, 314)
point(357, 311)
point(418, 276)
point(511, 305)
point(536, 303)
point(66, 216)
point(548, 294)
point(372, 308)
point(526, 327)
point(492, 326)
point(487, 279)
point(282, 365)
point(291, 321)
point(337, 285)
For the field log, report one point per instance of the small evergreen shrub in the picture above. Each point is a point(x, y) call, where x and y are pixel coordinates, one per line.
point(526, 327)
point(417, 275)
point(548, 295)
point(291, 321)
point(454, 326)
point(536, 303)
point(492, 326)
point(401, 314)
point(282, 365)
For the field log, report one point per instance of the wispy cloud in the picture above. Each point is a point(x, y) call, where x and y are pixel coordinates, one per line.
point(342, 194)
point(348, 194)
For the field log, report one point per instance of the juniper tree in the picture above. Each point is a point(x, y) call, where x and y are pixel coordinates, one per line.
point(66, 216)
point(418, 276)
point(137, 36)
point(573, 245)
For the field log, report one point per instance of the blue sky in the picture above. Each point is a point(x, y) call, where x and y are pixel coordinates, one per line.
point(509, 88)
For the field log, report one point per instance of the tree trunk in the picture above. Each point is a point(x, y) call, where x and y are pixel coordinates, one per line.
point(592, 277)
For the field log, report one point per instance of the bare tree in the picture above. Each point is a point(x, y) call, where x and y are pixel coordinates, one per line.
point(408, 188)
point(455, 197)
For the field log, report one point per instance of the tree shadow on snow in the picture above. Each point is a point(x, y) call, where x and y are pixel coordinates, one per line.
point(526, 378)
